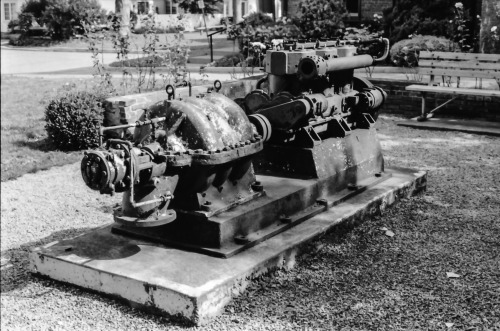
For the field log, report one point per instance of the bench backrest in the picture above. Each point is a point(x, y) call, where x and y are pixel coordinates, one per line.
point(459, 65)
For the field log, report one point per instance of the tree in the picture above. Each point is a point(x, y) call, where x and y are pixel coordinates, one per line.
point(63, 18)
point(191, 6)
point(122, 9)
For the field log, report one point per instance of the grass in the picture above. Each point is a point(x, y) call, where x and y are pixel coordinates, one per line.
point(361, 279)
point(25, 147)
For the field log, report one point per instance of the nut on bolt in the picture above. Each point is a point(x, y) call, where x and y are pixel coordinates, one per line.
point(206, 206)
point(257, 186)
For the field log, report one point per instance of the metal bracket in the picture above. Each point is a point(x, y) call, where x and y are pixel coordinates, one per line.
point(426, 115)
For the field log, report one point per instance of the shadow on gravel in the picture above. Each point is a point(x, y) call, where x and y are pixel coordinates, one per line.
point(15, 273)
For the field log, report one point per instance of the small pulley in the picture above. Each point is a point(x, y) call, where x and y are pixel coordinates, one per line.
point(217, 86)
point(255, 100)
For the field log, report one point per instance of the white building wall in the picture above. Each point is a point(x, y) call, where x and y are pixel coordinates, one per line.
point(108, 5)
point(9, 11)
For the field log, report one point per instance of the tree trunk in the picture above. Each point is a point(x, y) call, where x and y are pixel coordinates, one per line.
point(237, 11)
point(490, 17)
point(123, 8)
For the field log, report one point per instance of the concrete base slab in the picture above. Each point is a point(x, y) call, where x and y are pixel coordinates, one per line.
point(190, 285)
point(451, 124)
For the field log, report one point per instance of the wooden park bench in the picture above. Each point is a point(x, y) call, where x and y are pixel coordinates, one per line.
point(459, 65)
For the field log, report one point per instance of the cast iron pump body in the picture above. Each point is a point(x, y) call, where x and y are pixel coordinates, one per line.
point(188, 173)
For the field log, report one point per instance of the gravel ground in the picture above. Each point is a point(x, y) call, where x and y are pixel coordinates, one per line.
point(353, 279)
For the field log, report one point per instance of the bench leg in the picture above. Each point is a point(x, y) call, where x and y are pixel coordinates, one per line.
point(423, 116)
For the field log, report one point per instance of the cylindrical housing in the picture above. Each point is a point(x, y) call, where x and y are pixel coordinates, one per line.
point(313, 66)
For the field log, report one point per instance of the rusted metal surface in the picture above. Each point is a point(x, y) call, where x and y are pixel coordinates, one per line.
point(188, 170)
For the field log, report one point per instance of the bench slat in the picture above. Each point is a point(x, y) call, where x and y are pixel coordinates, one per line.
point(460, 56)
point(459, 64)
point(460, 73)
point(453, 90)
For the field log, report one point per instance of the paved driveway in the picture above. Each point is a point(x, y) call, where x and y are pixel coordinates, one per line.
point(24, 62)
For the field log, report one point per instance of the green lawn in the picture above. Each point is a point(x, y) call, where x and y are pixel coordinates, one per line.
point(25, 147)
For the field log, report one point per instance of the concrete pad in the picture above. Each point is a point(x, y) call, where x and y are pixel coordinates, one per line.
point(450, 124)
point(190, 285)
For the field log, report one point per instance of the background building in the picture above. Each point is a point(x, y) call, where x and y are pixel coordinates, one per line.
point(9, 10)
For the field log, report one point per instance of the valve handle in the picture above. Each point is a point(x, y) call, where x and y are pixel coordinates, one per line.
point(170, 91)
point(217, 85)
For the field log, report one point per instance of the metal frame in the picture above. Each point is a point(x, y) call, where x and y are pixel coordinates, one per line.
point(425, 115)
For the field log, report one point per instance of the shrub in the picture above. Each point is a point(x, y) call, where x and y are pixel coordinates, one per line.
point(73, 120)
point(192, 6)
point(65, 18)
point(247, 32)
point(428, 17)
point(256, 19)
point(417, 17)
point(405, 53)
point(145, 61)
point(231, 60)
point(321, 18)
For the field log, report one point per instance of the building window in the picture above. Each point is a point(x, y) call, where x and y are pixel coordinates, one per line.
point(244, 8)
point(352, 7)
point(172, 8)
point(9, 10)
point(142, 7)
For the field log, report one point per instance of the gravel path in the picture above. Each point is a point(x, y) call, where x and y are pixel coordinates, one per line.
point(354, 279)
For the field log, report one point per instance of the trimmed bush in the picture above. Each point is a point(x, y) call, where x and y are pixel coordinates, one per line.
point(232, 60)
point(405, 53)
point(146, 61)
point(73, 120)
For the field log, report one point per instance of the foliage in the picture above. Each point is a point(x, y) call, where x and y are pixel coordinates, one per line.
point(321, 18)
point(139, 74)
point(26, 21)
point(73, 120)
point(405, 53)
point(231, 60)
point(461, 29)
point(366, 30)
point(63, 18)
point(247, 32)
point(425, 17)
point(31, 11)
point(490, 29)
point(13, 24)
point(36, 8)
point(191, 6)
point(257, 19)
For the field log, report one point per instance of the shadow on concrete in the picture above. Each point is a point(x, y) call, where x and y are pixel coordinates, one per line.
point(15, 276)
